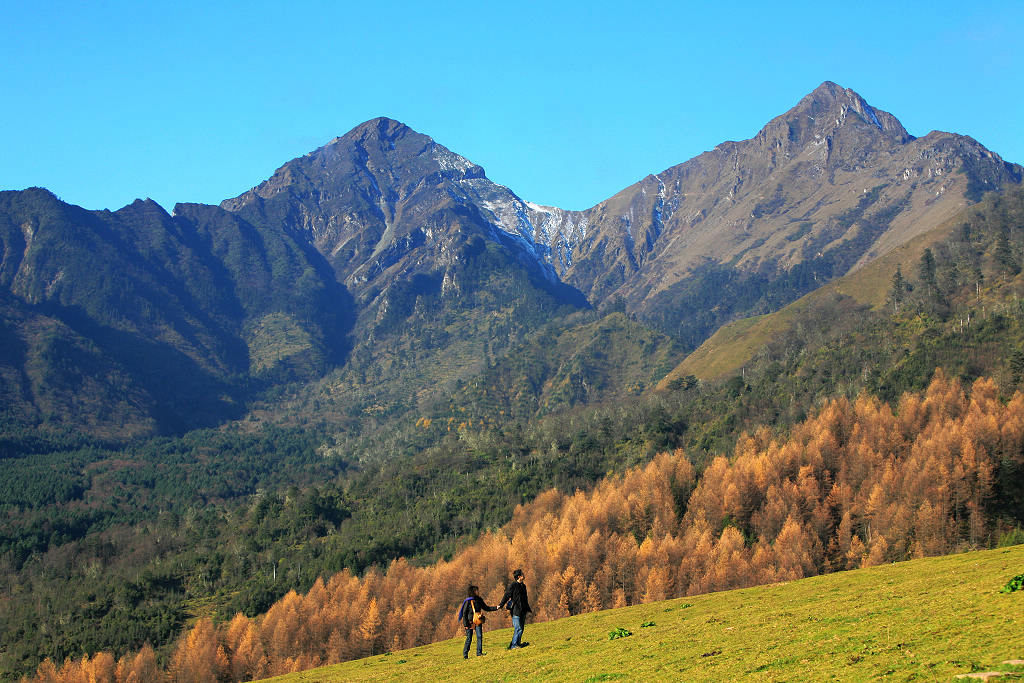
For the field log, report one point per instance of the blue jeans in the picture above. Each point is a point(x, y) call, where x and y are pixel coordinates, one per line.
point(479, 641)
point(517, 631)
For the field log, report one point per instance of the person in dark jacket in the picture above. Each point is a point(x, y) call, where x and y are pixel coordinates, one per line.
point(519, 605)
point(473, 603)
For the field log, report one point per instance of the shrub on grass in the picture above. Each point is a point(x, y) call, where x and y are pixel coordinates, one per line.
point(1014, 584)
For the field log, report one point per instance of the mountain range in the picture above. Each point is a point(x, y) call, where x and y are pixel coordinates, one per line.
point(378, 354)
point(375, 275)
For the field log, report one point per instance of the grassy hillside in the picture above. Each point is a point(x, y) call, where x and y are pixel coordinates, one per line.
point(929, 619)
point(737, 343)
point(966, 271)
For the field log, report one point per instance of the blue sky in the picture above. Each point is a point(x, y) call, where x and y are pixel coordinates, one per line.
point(566, 103)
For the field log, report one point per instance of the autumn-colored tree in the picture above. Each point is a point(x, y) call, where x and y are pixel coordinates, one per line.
point(656, 587)
point(729, 566)
point(249, 660)
point(573, 591)
point(592, 601)
point(370, 626)
point(700, 546)
point(46, 672)
point(878, 552)
point(857, 553)
point(140, 667)
point(195, 660)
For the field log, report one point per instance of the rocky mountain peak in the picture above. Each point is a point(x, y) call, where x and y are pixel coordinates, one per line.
point(385, 137)
point(831, 110)
point(385, 199)
point(381, 158)
point(381, 128)
point(823, 188)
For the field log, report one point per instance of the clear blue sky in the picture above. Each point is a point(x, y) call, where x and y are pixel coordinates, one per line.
point(566, 103)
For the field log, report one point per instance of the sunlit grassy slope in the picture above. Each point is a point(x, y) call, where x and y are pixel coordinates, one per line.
point(929, 619)
point(736, 343)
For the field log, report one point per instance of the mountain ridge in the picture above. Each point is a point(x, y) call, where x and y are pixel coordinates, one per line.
point(726, 204)
point(383, 238)
point(616, 248)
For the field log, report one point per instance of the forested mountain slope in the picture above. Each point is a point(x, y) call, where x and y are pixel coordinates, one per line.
point(234, 536)
point(856, 485)
point(136, 322)
point(955, 290)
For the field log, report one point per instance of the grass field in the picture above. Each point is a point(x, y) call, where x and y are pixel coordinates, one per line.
point(927, 620)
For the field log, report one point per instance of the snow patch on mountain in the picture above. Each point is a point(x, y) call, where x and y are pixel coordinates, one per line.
point(874, 118)
point(509, 215)
point(550, 234)
point(449, 160)
point(562, 231)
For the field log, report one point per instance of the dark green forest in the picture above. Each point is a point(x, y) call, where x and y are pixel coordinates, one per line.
point(108, 546)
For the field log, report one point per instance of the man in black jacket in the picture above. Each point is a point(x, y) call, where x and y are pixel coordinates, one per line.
point(519, 605)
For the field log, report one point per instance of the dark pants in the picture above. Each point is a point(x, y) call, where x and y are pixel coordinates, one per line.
point(479, 641)
point(517, 631)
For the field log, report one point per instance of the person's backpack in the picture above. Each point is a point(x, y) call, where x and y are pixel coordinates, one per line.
point(478, 617)
point(462, 610)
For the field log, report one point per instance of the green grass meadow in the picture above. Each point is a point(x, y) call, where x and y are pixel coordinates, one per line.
point(924, 620)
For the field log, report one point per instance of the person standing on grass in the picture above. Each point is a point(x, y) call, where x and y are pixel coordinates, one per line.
point(471, 614)
point(519, 605)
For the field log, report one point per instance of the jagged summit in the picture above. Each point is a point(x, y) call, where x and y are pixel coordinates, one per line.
point(828, 95)
point(377, 153)
point(381, 127)
point(831, 110)
point(386, 200)
point(380, 130)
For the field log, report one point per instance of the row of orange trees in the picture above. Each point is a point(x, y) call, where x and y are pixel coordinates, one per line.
point(857, 484)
